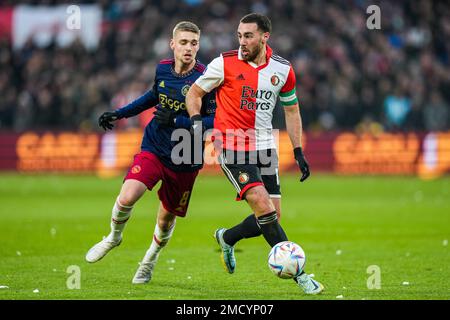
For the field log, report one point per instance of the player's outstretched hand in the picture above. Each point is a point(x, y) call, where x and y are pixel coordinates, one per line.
point(106, 119)
point(302, 163)
point(165, 117)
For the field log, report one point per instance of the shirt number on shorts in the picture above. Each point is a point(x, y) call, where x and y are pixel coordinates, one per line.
point(185, 198)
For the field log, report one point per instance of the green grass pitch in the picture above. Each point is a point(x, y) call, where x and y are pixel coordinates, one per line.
point(345, 225)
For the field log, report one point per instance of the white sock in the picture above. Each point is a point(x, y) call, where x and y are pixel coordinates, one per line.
point(118, 220)
point(160, 240)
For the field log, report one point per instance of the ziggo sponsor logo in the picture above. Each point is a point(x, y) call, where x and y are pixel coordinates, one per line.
point(173, 104)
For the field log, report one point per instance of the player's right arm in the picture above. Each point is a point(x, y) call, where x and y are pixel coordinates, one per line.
point(194, 100)
point(211, 79)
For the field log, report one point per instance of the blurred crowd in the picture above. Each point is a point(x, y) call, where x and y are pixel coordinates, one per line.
point(349, 77)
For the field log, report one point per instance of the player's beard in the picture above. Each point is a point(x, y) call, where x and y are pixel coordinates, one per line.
point(251, 56)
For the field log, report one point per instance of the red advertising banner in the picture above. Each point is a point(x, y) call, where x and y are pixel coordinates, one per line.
point(110, 154)
point(8, 155)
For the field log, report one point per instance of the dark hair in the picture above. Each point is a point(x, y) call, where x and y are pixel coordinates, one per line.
point(262, 21)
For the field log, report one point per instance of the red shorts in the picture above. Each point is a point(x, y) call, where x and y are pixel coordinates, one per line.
point(176, 187)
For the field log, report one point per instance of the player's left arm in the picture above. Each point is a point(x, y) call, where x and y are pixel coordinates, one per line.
point(294, 124)
point(294, 127)
point(208, 110)
point(194, 102)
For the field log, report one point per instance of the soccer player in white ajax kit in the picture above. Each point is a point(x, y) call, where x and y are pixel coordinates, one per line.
point(249, 82)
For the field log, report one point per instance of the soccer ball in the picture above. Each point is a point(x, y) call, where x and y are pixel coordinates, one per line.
point(286, 259)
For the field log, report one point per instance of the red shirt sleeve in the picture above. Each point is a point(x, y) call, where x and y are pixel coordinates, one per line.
point(290, 81)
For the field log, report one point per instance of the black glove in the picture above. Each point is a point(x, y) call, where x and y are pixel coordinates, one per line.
point(165, 117)
point(106, 119)
point(302, 163)
point(196, 124)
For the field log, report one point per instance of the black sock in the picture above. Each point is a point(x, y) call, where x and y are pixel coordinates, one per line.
point(246, 229)
point(271, 229)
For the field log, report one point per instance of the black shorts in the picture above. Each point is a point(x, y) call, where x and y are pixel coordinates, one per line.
point(249, 169)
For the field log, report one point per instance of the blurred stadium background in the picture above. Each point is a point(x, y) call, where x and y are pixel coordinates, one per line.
point(387, 89)
point(374, 102)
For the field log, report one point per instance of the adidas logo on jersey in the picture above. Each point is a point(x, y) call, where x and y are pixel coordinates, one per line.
point(161, 84)
point(240, 77)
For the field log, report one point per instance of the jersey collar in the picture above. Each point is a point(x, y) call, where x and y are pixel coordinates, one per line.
point(269, 52)
point(187, 74)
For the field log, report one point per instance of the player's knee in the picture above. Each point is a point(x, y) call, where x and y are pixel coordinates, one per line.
point(127, 199)
point(258, 199)
point(131, 191)
point(250, 197)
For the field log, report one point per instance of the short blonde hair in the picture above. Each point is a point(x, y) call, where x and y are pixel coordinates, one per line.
point(186, 26)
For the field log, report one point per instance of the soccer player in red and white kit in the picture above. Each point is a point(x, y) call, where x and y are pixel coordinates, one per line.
point(249, 82)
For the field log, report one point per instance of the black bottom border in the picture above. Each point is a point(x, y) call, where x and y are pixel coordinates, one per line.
point(214, 309)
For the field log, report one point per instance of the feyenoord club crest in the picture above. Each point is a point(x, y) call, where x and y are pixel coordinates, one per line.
point(136, 169)
point(185, 90)
point(275, 80)
point(243, 178)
